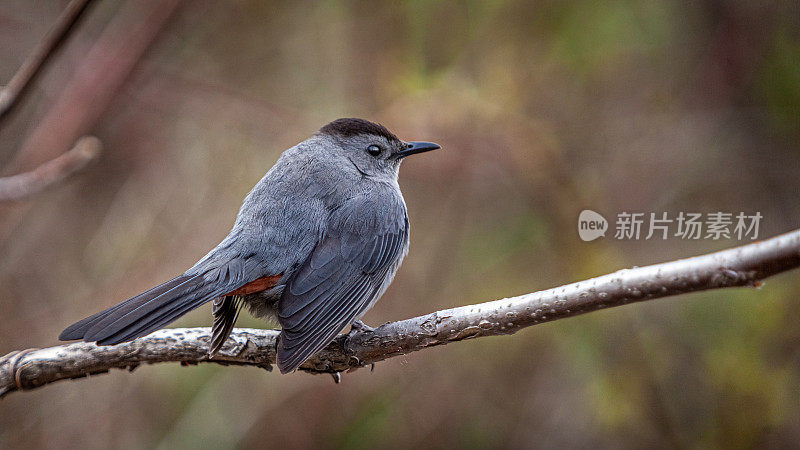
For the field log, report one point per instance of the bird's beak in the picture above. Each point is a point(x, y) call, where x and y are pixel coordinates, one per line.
point(412, 148)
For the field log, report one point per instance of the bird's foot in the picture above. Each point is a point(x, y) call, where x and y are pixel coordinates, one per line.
point(358, 325)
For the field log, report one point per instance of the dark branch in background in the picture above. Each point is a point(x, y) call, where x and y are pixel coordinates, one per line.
point(19, 186)
point(31, 66)
point(86, 95)
point(740, 266)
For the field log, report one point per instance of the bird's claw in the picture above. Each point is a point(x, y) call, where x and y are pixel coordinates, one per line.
point(360, 326)
point(357, 327)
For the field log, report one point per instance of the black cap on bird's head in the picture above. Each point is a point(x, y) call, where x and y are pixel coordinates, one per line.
point(350, 127)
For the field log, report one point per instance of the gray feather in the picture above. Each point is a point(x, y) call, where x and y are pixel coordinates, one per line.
point(322, 299)
point(225, 311)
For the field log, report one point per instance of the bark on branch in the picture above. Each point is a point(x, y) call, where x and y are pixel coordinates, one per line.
point(746, 265)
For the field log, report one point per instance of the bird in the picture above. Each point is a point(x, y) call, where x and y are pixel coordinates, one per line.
point(315, 244)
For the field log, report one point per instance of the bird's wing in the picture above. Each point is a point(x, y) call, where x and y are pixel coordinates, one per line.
point(345, 272)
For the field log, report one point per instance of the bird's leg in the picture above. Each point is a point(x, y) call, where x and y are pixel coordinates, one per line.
point(358, 325)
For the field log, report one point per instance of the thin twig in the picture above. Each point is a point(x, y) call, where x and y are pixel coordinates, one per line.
point(22, 185)
point(746, 265)
point(32, 65)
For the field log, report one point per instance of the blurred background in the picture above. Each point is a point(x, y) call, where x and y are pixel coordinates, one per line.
point(543, 109)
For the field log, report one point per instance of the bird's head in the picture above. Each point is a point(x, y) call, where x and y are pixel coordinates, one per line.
point(372, 149)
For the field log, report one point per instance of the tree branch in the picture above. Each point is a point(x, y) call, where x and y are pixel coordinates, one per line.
point(18, 186)
point(746, 265)
point(40, 54)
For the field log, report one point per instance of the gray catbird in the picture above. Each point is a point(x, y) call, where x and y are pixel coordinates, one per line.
point(315, 244)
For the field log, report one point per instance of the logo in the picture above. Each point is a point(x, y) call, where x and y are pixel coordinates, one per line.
point(591, 225)
point(685, 225)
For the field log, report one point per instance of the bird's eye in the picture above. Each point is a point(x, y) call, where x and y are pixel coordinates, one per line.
point(374, 150)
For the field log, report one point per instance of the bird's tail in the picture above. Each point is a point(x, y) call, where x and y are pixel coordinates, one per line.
point(146, 312)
